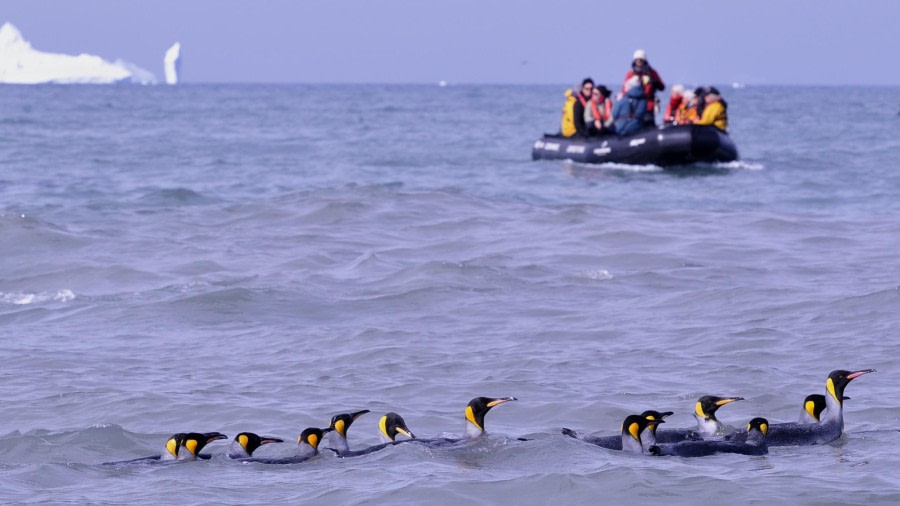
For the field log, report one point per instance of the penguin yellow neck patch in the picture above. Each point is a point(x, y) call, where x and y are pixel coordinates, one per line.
point(382, 426)
point(811, 409)
point(470, 416)
point(313, 440)
point(243, 440)
point(829, 385)
point(341, 428)
point(635, 431)
point(699, 411)
point(172, 447)
point(191, 445)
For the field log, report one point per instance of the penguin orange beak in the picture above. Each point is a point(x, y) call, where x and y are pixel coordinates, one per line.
point(728, 400)
point(501, 400)
point(857, 374)
point(264, 440)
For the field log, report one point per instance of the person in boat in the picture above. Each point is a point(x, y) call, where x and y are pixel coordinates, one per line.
point(715, 112)
point(598, 114)
point(701, 94)
point(675, 101)
point(573, 110)
point(650, 81)
point(629, 113)
point(687, 112)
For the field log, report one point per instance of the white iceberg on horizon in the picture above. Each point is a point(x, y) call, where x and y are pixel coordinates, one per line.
point(172, 63)
point(22, 64)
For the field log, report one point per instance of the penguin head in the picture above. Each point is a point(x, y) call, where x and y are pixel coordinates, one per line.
point(709, 404)
point(655, 415)
point(814, 404)
point(392, 424)
point(250, 441)
point(760, 424)
point(838, 380)
point(196, 441)
point(479, 406)
point(174, 443)
point(312, 436)
point(634, 425)
point(341, 423)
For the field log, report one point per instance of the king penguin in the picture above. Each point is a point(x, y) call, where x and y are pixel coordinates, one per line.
point(615, 442)
point(632, 429)
point(193, 442)
point(754, 444)
point(475, 412)
point(246, 443)
point(307, 448)
point(340, 424)
point(831, 421)
point(708, 426)
point(389, 426)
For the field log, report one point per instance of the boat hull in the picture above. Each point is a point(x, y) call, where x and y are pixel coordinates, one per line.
point(663, 146)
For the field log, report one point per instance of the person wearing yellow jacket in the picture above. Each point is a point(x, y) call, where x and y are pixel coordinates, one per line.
point(573, 110)
point(715, 112)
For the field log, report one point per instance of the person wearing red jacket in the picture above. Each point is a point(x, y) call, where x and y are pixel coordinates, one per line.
point(650, 81)
point(675, 101)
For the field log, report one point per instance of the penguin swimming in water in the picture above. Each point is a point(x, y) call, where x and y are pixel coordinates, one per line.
point(708, 426)
point(831, 421)
point(340, 424)
point(390, 426)
point(308, 445)
point(615, 442)
point(813, 406)
point(632, 428)
point(182, 446)
point(193, 442)
point(475, 412)
point(246, 443)
point(754, 444)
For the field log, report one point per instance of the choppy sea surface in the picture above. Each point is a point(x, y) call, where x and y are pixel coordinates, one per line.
point(260, 258)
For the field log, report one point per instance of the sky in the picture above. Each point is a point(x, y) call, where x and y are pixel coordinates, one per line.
point(801, 42)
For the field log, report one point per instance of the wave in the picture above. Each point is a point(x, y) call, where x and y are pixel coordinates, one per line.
point(23, 298)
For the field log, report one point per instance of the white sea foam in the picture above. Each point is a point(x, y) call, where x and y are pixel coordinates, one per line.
point(597, 274)
point(23, 298)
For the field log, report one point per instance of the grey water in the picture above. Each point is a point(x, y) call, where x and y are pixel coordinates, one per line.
point(259, 258)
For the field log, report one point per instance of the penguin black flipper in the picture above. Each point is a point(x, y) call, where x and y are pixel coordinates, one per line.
point(608, 442)
point(706, 448)
point(667, 436)
point(151, 458)
point(287, 460)
point(366, 451)
point(757, 430)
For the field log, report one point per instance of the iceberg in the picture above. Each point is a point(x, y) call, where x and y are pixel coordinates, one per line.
point(172, 63)
point(22, 64)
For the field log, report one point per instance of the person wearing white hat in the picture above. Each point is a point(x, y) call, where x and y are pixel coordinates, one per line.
point(650, 81)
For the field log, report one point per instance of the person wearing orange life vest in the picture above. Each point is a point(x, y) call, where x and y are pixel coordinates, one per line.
point(715, 112)
point(675, 100)
point(650, 81)
point(598, 111)
point(687, 112)
point(573, 110)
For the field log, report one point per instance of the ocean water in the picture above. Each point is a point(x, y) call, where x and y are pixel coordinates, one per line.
point(260, 258)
